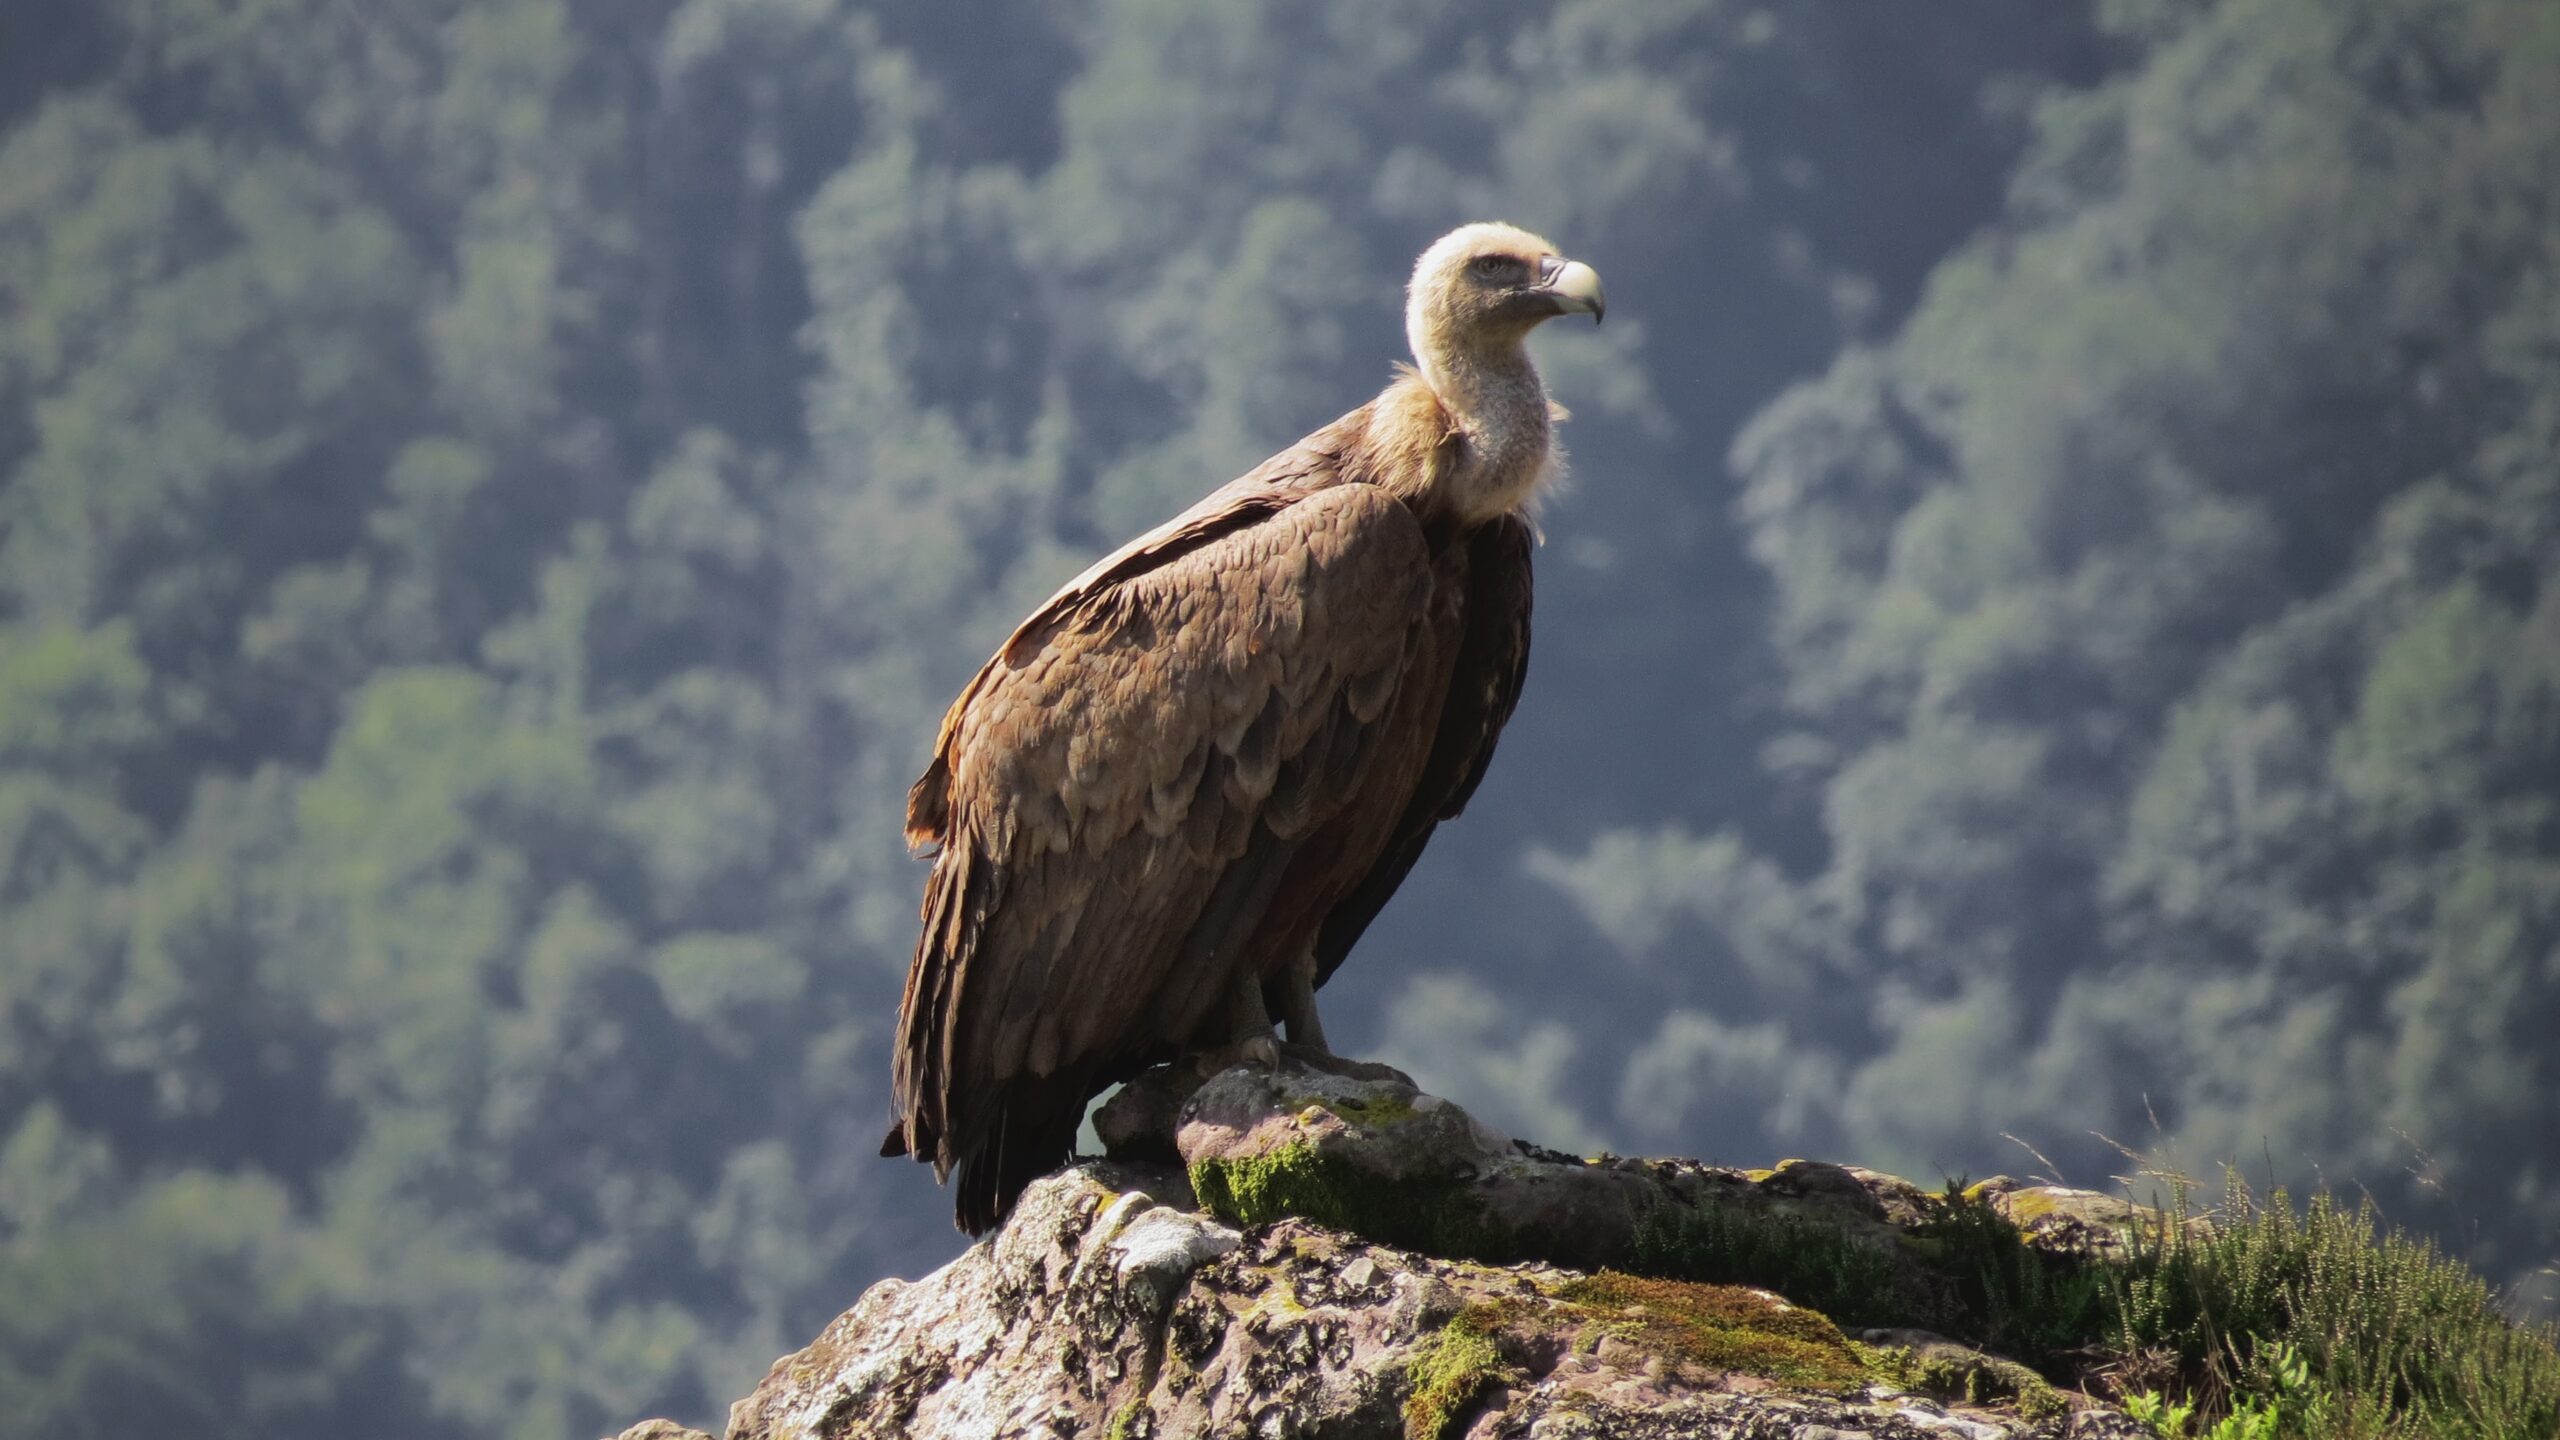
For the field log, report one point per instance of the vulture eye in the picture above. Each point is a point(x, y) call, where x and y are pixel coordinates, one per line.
point(1494, 267)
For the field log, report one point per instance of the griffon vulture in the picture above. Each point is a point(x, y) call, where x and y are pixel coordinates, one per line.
point(1173, 800)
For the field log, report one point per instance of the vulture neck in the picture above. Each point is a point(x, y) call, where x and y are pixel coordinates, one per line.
point(1497, 407)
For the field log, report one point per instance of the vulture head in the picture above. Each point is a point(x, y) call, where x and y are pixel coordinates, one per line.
point(1482, 287)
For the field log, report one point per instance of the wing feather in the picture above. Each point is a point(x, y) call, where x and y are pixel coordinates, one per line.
point(1114, 773)
point(1484, 686)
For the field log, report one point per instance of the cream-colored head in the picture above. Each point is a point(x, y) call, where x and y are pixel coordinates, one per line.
point(1481, 288)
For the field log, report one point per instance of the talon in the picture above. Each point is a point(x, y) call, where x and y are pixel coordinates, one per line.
point(1253, 1040)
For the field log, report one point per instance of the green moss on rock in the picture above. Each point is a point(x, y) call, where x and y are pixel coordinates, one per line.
point(1133, 1420)
point(1954, 1372)
point(1813, 1262)
point(1448, 1372)
point(1725, 1328)
point(1377, 1112)
point(1436, 1216)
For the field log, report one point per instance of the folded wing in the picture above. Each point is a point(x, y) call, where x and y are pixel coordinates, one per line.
point(1121, 791)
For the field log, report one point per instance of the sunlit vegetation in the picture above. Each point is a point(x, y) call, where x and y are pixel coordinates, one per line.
point(2258, 1319)
point(493, 494)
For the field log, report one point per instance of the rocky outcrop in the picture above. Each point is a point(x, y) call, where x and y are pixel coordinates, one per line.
point(1371, 1154)
point(1316, 1253)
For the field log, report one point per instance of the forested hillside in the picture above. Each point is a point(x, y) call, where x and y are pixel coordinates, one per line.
point(495, 493)
point(2172, 652)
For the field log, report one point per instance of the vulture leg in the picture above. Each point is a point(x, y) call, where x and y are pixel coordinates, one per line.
point(1250, 1038)
point(1298, 1004)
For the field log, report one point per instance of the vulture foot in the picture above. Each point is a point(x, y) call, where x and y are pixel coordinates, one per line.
point(1308, 1059)
point(1253, 1040)
point(1298, 1005)
point(1262, 1052)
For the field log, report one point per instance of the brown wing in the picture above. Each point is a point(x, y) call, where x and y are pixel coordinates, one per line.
point(1484, 686)
point(1118, 792)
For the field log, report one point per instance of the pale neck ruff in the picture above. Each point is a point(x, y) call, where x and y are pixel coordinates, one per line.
point(1500, 406)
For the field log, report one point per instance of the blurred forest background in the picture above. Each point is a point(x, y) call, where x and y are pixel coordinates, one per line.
point(2056, 630)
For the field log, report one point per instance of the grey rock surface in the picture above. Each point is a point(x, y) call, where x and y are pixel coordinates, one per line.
point(1114, 1303)
point(1098, 1312)
point(1446, 1183)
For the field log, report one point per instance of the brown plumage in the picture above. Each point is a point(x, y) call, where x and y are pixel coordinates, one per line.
point(1172, 801)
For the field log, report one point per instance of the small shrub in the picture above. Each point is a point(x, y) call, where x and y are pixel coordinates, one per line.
point(2256, 1416)
point(1816, 1265)
point(2273, 1321)
point(2314, 1322)
point(2006, 1295)
point(2277, 1321)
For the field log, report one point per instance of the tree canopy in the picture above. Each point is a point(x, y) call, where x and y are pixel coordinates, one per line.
point(495, 493)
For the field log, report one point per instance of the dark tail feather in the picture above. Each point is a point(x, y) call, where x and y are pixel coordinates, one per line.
point(1034, 1133)
point(918, 1068)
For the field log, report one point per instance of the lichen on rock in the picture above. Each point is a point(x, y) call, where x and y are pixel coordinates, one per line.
point(1310, 1252)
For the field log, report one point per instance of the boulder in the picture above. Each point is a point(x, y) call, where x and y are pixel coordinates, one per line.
point(1312, 1252)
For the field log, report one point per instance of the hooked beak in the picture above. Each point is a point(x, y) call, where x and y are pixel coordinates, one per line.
point(1574, 286)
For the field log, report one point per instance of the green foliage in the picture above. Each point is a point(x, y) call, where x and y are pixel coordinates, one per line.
point(493, 493)
point(2005, 1295)
point(1970, 1376)
point(1446, 1374)
point(194, 1305)
point(2168, 1417)
point(1816, 1264)
point(2315, 1322)
point(1962, 1271)
point(2252, 1416)
point(392, 815)
point(2166, 613)
point(2275, 1320)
